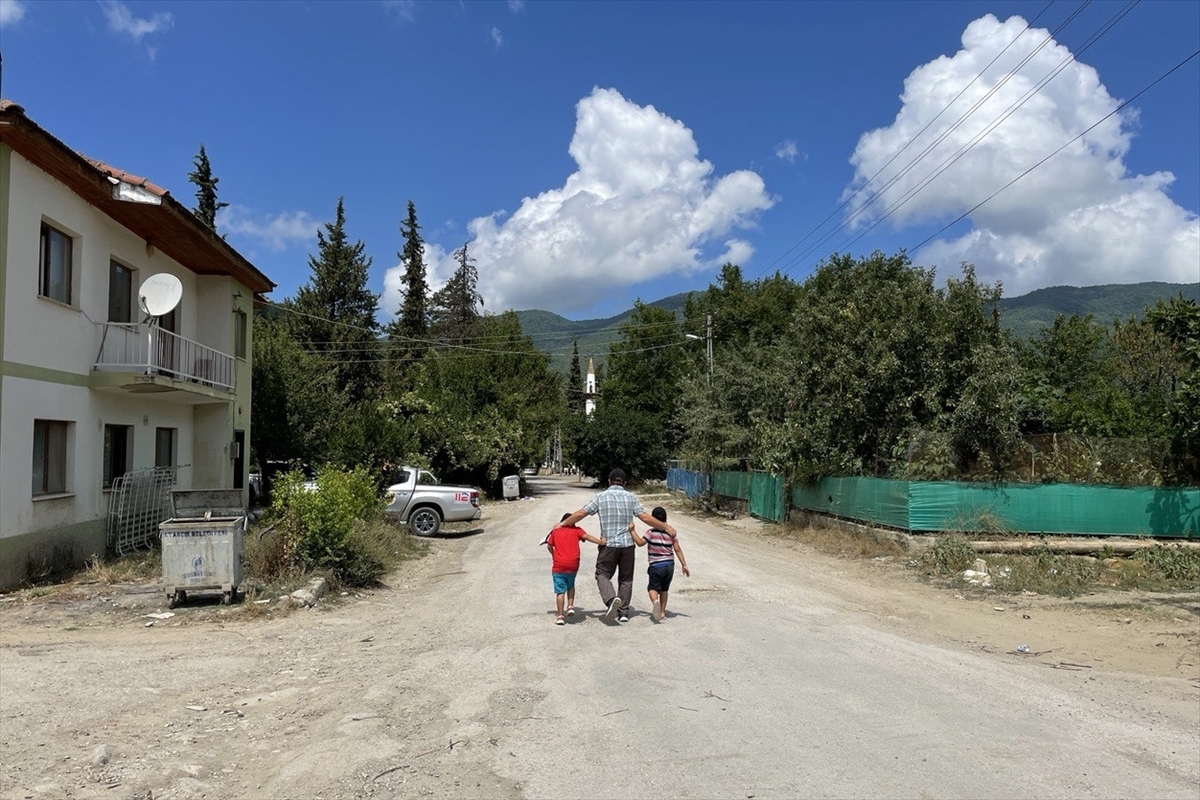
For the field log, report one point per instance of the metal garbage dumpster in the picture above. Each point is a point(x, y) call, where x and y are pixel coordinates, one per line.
point(512, 487)
point(202, 543)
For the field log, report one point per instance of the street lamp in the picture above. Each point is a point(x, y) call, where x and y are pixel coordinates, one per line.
point(708, 347)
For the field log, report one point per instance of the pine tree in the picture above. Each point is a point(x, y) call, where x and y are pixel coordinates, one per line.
point(575, 385)
point(206, 190)
point(454, 307)
point(413, 320)
point(336, 310)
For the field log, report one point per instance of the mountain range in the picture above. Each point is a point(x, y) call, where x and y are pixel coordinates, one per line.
point(1024, 315)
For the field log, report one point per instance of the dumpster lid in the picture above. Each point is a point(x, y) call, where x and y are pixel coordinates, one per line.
point(196, 503)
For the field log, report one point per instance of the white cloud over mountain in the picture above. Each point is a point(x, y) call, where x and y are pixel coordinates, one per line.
point(640, 205)
point(1078, 219)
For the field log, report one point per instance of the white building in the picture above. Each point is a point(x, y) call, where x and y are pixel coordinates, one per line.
point(88, 391)
point(589, 389)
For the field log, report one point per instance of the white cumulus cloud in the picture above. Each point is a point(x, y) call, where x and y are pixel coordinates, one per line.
point(516, 6)
point(787, 151)
point(121, 20)
point(1079, 219)
point(640, 205)
point(277, 232)
point(11, 12)
point(403, 9)
point(497, 37)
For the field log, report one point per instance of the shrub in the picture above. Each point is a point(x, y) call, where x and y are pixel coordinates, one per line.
point(318, 526)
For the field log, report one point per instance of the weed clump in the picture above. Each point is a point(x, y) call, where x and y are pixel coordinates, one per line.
point(949, 555)
point(1176, 566)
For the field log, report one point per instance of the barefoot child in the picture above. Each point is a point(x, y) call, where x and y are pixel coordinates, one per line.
point(563, 544)
point(661, 551)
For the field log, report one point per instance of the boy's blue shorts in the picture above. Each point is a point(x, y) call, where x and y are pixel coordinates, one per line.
point(563, 581)
point(660, 576)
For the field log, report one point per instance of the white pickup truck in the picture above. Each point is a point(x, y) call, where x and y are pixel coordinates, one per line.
point(416, 498)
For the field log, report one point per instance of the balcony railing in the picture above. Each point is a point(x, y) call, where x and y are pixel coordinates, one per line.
point(152, 350)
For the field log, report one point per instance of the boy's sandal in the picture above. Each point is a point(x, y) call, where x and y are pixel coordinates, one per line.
point(570, 611)
point(559, 620)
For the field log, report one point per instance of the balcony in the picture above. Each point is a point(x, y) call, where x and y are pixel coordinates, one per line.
point(164, 361)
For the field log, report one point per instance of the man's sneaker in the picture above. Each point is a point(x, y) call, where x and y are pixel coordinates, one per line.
point(570, 611)
point(613, 607)
point(623, 618)
point(656, 613)
point(559, 620)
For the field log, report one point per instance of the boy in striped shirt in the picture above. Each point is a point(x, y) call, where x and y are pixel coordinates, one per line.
point(661, 550)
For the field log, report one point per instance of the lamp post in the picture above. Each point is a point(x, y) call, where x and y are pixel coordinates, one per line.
point(708, 344)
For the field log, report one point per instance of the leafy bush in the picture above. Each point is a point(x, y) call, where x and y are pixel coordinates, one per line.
point(318, 526)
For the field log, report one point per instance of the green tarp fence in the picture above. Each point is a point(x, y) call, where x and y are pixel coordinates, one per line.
point(1028, 508)
point(731, 484)
point(767, 500)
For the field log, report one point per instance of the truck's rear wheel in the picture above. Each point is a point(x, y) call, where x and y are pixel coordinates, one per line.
point(425, 522)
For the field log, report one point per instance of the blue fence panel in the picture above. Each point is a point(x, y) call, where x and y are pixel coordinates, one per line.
point(692, 483)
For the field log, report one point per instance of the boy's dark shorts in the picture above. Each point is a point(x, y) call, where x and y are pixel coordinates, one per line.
point(660, 576)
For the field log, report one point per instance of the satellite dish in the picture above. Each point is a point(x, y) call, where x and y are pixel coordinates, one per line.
point(160, 293)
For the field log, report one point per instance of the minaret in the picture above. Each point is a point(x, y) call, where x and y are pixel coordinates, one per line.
point(589, 389)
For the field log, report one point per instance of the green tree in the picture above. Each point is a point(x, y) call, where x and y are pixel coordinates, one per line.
point(207, 204)
point(412, 324)
point(481, 412)
point(334, 312)
point(638, 396)
point(575, 385)
point(454, 308)
point(1179, 321)
point(295, 399)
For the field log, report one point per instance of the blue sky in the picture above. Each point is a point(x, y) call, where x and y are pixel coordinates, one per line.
point(594, 153)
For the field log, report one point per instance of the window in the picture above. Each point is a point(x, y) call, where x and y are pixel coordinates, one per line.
point(54, 275)
point(49, 456)
point(164, 447)
point(120, 293)
point(116, 452)
point(239, 334)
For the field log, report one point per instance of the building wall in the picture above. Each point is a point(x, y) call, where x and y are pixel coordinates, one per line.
point(48, 350)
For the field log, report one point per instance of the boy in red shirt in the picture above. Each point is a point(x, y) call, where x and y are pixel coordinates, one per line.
point(563, 544)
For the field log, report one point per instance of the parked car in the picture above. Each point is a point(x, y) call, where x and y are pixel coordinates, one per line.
point(418, 500)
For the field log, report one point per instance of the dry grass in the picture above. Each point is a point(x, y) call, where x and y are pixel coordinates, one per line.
point(138, 566)
point(843, 543)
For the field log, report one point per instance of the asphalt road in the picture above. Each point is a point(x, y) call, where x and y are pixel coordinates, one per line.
point(454, 681)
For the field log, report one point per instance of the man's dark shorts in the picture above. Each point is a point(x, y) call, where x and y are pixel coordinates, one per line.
point(660, 576)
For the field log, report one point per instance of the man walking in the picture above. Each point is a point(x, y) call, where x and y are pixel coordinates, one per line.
point(617, 506)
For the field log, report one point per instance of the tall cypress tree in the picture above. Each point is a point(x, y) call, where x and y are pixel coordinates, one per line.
point(413, 319)
point(337, 311)
point(207, 204)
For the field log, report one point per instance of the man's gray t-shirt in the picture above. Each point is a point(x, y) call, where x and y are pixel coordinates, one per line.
point(617, 507)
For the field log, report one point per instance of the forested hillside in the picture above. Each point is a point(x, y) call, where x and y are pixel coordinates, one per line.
point(1024, 315)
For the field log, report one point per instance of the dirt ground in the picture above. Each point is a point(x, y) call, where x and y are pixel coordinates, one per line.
point(100, 699)
point(1142, 633)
